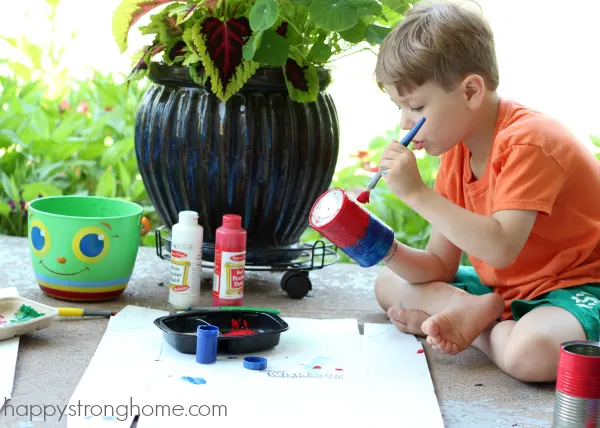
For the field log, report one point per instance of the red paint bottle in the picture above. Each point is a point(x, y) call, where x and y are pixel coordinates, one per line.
point(230, 262)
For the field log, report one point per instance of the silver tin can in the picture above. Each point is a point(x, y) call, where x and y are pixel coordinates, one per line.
point(577, 402)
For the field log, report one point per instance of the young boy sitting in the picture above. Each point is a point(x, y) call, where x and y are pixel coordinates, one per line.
point(515, 191)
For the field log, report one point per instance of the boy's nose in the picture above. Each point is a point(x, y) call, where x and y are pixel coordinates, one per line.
point(61, 260)
point(405, 123)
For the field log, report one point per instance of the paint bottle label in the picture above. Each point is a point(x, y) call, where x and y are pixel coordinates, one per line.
point(185, 273)
point(229, 274)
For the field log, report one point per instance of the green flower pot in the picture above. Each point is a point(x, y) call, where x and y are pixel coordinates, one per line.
point(83, 248)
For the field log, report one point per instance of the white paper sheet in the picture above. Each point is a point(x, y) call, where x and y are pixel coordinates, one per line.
point(9, 350)
point(399, 374)
point(118, 373)
point(320, 367)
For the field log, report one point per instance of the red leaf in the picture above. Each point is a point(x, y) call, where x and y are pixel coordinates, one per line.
point(224, 42)
point(147, 54)
point(295, 75)
point(177, 50)
point(145, 7)
point(282, 29)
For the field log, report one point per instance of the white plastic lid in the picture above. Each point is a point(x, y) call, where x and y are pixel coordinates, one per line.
point(188, 217)
point(327, 207)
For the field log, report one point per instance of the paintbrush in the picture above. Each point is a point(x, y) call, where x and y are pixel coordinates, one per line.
point(80, 312)
point(363, 198)
point(233, 308)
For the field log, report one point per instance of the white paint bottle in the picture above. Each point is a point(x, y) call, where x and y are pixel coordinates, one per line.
point(186, 261)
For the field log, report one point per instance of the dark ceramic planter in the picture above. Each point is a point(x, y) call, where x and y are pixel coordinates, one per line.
point(259, 155)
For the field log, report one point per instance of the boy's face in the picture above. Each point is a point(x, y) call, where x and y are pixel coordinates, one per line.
point(448, 117)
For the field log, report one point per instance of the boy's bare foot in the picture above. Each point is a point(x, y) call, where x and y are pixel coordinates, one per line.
point(407, 320)
point(454, 329)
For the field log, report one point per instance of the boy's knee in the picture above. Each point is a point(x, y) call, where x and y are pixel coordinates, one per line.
point(531, 359)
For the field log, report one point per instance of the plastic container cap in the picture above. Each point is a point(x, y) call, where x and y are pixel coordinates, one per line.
point(255, 363)
point(206, 344)
point(232, 221)
point(188, 217)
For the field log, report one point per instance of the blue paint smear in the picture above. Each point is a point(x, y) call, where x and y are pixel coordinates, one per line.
point(194, 380)
point(232, 358)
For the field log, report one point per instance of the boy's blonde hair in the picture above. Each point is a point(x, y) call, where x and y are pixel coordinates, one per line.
point(440, 41)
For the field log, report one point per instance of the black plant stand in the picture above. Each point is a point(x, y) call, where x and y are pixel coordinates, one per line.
point(295, 281)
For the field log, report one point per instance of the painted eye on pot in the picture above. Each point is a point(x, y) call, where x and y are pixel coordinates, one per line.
point(39, 238)
point(91, 244)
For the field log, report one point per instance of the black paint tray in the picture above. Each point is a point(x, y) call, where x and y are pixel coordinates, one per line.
point(179, 330)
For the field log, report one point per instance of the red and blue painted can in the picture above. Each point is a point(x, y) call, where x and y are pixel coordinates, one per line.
point(349, 226)
point(578, 386)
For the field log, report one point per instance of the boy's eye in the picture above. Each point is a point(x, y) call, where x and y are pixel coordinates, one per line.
point(416, 108)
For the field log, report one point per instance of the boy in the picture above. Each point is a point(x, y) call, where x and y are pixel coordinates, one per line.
point(515, 191)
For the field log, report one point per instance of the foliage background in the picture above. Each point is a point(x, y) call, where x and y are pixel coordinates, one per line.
point(65, 136)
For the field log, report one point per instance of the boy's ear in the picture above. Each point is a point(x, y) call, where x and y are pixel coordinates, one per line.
point(473, 90)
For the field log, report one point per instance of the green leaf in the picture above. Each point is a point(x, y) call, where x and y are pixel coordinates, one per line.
point(355, 34)
point(35, 54)
point(107, 185)
point(20, 70)
point(127, 14)
point(320, 52)
point(333, 15)
point(11, 41)
point(301, 2)
point(66, 149)
point(263, 14)
point(595, 140)
point(116, 152)
point(367, 7)
point(4, 209)
point(390, 17)
point(8, 137)
point(10, 187)
point(375, 34)
point(139, 191)
point(124, 178)
point(273, 49)
point(92, 151)
point(184, 12)
point(67, 128)
point(252, 45)
point(32, 190)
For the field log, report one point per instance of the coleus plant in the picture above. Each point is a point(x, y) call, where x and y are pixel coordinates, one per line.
point(227, 41)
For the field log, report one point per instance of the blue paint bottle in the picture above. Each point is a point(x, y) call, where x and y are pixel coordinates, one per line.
point(206, 344)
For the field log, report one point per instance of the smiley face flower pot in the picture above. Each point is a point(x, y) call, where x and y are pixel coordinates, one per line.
point(83, 248)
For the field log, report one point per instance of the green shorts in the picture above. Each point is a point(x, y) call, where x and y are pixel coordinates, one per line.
point(583, 301)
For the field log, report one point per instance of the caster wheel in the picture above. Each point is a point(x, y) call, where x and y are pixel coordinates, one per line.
point(296, 284)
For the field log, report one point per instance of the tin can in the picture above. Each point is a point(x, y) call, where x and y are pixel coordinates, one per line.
point(577, 402)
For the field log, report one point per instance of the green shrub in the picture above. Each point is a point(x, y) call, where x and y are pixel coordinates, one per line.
point(79, 143)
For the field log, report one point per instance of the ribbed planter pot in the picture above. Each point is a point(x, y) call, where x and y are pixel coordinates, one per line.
point(260, 155)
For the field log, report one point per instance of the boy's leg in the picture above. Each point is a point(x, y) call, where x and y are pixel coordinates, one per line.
point(457, 317)
point(529, 348)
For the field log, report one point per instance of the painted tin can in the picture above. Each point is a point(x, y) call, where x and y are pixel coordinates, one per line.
point(577, 402)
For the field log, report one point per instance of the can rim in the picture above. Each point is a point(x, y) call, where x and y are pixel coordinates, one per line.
point(591, 343)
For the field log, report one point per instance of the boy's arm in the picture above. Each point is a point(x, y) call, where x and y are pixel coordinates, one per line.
point(439, 262)
point(496, 240)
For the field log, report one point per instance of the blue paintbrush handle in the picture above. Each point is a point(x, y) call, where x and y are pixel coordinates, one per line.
point(405, 142)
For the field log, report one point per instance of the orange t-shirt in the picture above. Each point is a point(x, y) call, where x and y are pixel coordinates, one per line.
point(535, 164)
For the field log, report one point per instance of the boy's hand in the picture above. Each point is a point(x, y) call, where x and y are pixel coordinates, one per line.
point(400, 171)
